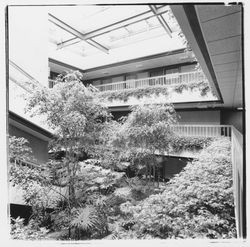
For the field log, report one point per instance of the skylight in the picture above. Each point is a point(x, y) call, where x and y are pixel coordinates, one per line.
point(80, 35)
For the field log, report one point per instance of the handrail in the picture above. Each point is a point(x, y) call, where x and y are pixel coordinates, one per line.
point(238, 188)
point(202, 130)
point(169, 79)
point(28, 163)
point(28, 85)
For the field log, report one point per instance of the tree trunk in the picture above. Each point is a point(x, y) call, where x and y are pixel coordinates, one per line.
point(154, 175)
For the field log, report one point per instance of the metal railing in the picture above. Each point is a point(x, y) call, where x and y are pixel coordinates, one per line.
point(164, 80)
point(202, 130)
point(27, 163)
point(28, 83)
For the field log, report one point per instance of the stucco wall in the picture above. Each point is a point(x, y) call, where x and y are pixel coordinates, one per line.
point(39, 147)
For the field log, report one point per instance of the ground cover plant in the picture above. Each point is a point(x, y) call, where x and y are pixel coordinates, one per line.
point(94, 196)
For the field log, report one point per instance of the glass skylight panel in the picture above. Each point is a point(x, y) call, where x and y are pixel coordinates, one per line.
point(153, 22)
point(138, 27)
point(88, 18)
point(58, 34)
point(171, 21)
point(82, 48)
point(118, 34)
point(132, 38)
point(146, 33)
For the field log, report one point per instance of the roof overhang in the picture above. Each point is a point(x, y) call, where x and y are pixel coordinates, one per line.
point(29, 127)
point(214, 34)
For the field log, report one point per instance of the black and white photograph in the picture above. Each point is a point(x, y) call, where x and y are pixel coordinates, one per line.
point(125, 121)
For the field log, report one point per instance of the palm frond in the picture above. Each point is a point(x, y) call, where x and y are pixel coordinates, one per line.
point(85, 218)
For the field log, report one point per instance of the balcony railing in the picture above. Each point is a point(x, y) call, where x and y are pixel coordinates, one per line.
point(202, 130)
point(164, 80)
point(238, 176)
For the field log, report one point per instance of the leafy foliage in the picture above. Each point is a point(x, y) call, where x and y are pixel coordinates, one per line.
point(34, 180)
point(98, 198)
point(202, 86)
point(149, 91)
point(30, 232)
point(19, 148)
point(85, 218)
point(138, 93)
point(197, 203)
point(77, 118)
point(144, 132)
point(190, 143)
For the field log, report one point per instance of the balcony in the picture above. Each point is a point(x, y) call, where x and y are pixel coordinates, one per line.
point(171, 88)
point(202, 130)
point(170, 80)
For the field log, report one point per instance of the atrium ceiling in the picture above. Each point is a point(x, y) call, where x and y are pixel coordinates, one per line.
point(92, 36)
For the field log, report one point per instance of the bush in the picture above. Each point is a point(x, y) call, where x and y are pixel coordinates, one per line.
point(189, 143)
point(197, 203)
point(30, 232)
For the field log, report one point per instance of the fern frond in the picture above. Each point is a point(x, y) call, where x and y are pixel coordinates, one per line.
point(85, 218)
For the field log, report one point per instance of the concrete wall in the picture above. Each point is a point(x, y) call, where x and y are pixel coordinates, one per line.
point(232, 117)
point(199, 117)
point(39, 147)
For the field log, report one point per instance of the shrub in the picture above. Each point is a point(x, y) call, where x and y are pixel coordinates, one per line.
point(197, 203)
point(179, 143)
point(30, 232)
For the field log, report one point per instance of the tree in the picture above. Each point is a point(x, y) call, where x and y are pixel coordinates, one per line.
point(145, 133)
point(76, 117)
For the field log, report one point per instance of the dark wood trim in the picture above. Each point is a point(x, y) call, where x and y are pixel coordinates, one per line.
point(69, 67)
point(29, 124)
point(194, 23)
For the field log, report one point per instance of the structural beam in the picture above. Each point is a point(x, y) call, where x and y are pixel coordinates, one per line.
point(117, 25)
point(76, 33)
point(161, 20)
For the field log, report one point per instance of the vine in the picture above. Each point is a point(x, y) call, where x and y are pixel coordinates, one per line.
point(202, 86)
point(137, 93)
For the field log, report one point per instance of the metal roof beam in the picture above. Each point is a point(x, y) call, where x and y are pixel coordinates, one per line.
point(76, 33)
point(117, 25)
point(161, 20)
